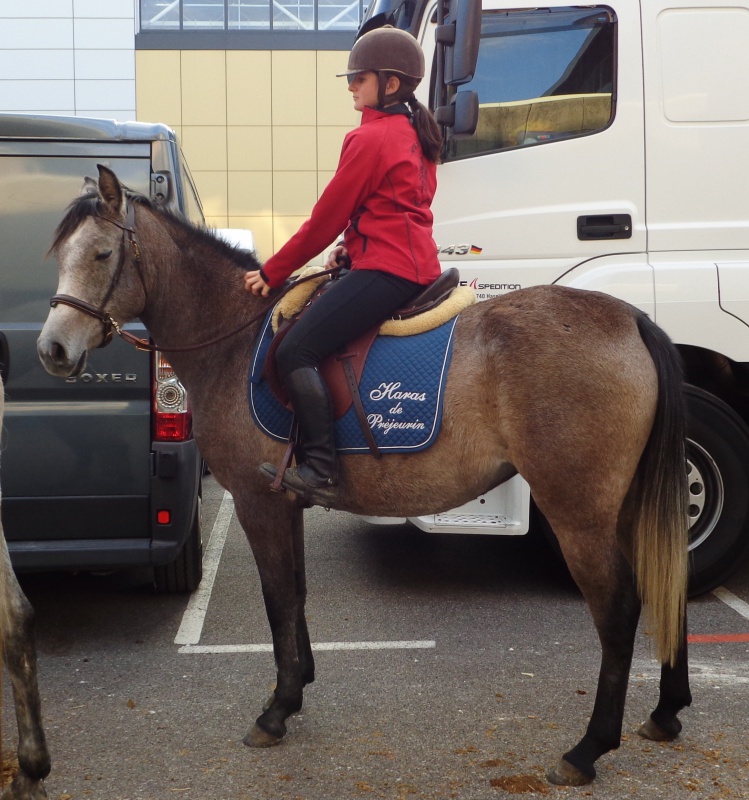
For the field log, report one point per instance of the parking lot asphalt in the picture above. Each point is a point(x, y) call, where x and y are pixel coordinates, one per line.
point(447, 667)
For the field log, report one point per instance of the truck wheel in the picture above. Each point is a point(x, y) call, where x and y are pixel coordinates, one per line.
point(718, 476)
point(184, 573)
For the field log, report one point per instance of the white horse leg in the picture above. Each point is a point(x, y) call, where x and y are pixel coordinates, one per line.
point(19, 650)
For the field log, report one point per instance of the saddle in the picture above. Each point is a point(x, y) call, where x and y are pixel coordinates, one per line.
point(438, 302)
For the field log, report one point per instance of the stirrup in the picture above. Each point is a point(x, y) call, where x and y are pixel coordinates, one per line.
point(324, 495)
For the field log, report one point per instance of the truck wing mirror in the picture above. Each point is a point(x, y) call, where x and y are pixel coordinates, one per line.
point(460, 38)
point(462, 115)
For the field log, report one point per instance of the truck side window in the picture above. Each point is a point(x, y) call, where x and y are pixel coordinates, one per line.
point(543, 75)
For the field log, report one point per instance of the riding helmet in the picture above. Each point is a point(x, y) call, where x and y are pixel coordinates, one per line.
point(386, 49)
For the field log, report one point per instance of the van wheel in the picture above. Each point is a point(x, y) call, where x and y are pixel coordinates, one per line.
point(184, 573)
point(718, 476)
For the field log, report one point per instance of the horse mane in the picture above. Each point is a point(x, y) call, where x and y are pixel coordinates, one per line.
point(191, 237)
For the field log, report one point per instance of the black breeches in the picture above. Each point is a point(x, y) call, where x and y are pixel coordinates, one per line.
point(349, 308)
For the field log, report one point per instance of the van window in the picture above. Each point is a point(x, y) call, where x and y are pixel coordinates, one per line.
point(542, 75)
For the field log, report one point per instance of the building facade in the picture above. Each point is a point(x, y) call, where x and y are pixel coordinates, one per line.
point(250, 89)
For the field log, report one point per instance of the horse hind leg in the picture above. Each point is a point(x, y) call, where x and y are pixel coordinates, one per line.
point(664, 725)
point(20, 659)
point(605, 579)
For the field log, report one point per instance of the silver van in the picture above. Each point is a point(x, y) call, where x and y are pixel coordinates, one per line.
point(99, 471)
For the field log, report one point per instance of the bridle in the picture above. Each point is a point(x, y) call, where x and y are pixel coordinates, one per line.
point(110, 325)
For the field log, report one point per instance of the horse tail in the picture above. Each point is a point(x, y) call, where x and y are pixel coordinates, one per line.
point(662, 526)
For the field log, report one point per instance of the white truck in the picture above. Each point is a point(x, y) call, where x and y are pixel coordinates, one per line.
point(606, 147)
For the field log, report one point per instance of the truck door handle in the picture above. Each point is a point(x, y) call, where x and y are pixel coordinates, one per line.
point(604, 226)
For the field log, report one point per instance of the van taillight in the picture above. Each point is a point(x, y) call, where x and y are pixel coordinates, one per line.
point(172, 415)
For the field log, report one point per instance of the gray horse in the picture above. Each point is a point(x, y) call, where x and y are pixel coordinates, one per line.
point(578, 392)
point(19, 653)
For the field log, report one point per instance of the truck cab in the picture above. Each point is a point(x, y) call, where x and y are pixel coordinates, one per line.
point(603, 147)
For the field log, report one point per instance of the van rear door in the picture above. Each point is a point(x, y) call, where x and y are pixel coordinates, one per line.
point(76, 453)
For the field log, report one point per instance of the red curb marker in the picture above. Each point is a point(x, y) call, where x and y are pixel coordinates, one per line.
point(711, 638)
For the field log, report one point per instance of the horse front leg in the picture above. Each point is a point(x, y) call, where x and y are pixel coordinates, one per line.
point(20, 659)
point(615, 606)
point(663, 725)
point(273, 528)
point(304, 646)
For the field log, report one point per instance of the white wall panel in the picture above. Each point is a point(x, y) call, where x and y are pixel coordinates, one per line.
point(120, 114)
point(105, 94)
point(36, 64)
point(36, 34)
point(36, 95)
point(101, 9)
point(109, 34)
point(104, 64)
point(73, 57)
point(39, 9)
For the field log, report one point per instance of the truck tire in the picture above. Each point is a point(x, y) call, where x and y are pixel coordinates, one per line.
point(718, 475)
point(184, 573)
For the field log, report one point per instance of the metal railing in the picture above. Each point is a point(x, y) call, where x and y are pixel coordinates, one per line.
point(250, 15)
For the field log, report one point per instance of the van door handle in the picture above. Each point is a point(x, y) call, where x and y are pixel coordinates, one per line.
point(604, 226)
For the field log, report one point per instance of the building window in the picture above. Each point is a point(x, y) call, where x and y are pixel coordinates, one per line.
point(250, 15)
point(543, 75)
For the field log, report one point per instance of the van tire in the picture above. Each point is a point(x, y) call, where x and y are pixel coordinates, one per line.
point(184, 573)
point(718, 470)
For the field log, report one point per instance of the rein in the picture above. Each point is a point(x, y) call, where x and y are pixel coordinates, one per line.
point(110, 325)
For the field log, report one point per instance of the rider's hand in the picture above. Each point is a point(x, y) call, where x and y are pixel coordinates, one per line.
point(334, 255)
point(253, 282)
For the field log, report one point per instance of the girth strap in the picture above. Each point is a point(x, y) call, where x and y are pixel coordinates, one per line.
point(353, 386)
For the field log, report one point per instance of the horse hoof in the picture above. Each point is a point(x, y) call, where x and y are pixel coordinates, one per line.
point(564, 774)
point(257, 737)
point(24, 788)
point(654, 732)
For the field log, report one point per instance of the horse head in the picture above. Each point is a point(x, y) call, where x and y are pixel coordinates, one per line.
point(94, 247)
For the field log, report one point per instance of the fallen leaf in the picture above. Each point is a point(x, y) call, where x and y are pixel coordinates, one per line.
point(520, 784)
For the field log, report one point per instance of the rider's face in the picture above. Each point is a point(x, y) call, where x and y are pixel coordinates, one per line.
point(364, 86)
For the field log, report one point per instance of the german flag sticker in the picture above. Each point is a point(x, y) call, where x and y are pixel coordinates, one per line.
point(475, 250)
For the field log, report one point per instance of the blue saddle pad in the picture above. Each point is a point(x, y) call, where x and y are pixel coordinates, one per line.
point(402, 388)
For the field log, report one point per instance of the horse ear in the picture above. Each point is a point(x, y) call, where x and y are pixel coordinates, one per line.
point(90, 186)
point(111, 191)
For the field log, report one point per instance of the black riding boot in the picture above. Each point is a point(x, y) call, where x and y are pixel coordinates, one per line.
point(316, 478)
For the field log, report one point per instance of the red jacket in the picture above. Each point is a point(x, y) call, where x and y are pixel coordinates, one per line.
point(380, 195)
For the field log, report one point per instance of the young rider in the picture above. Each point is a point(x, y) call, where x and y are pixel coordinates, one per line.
point(380, 196)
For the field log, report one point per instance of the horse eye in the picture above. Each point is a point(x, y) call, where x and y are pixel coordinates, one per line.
point(103, 256)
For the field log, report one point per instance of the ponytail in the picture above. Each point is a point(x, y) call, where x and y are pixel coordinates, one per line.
point(427, 130)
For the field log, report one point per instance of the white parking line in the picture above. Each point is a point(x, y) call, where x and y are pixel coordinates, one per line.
point(730, 599)
point(192, 620)
point(268, 648)
point(191, 627)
